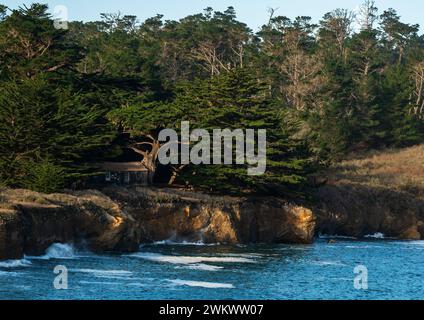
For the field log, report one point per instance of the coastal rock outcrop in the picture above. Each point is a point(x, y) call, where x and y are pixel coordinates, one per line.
point(378, 192)
point(30, 222)
point(120, 219)
point(357, 211)
point(169, 214)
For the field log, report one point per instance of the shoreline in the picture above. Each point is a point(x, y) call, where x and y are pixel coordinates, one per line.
point(68, 251)
point(119, 220)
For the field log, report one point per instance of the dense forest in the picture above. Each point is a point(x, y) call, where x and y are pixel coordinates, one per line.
point(349, 83)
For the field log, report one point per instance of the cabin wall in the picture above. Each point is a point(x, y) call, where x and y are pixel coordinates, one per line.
point(127, 178)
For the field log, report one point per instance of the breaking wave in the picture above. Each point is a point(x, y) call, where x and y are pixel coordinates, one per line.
point(8, 264)
point(377, 235)
point(58, 251)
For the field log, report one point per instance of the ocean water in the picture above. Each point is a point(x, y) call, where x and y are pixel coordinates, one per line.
point(196, 271)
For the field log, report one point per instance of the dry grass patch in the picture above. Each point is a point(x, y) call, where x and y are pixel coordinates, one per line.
point(400, 170)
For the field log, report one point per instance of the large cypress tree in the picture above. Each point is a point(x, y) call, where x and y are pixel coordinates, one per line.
point(237, 100)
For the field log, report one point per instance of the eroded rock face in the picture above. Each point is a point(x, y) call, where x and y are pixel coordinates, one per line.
point(33, 222)
point(11, 236)
point(240, 223)
point(356, 211)
point(213, 220)
point(92, 220)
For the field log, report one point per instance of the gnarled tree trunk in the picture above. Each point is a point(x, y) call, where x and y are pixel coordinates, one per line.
point(149, 156)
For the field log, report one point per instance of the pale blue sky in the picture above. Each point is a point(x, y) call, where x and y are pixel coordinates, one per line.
point(253, 12)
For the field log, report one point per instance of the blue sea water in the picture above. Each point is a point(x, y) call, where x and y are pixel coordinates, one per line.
point(195, 271)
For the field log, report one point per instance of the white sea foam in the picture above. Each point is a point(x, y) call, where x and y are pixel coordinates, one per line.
point(99, 283)
point(111, 276)
point(105, 273)
point(136, 284)
point(377, 235)
point(189, 260)
point(8, 264)
point(328, 263)
point(183, 243)
point(247, 255)
point(325, 236)
point(413, 243)
point(358, 246)
point(23, 287)
point(210, 285)
point(58, 251)
point(201, 267)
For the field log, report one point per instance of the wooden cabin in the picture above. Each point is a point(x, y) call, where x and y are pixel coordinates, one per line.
point(125, 173)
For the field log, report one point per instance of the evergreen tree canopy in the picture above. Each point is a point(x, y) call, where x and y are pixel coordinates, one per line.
point(71, 98)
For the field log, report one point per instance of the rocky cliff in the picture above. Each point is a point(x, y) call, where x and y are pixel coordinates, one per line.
point(381, 192)
point(30, 222)
point(184, 216)
point(355, 211)
point(121, 219)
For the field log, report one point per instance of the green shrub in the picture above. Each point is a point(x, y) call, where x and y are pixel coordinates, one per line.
point(43, 176)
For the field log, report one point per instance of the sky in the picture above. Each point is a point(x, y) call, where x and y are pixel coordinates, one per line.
point(252, 12)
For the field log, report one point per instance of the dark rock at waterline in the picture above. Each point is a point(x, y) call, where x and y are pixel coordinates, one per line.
point(120, 219)
point(375, 192)
point(30, 222)
point(357, 211)
point(11, 235)
point(182, 216)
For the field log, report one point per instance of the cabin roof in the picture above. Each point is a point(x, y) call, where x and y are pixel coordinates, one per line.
point(123, 166)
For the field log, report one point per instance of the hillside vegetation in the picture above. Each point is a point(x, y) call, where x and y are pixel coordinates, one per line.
point(401, 170)
point(76, 97)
